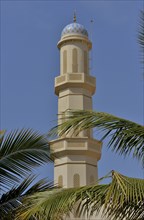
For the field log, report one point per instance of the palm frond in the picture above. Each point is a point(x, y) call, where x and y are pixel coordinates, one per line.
point(125, 136)
point(20, 152)
point(123, 193)
point(123, 198)
point(11, 200)
point(2, 132)
point(51, 204)
point(141, 30)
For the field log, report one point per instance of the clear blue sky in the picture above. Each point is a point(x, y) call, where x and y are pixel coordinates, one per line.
point(30, 31)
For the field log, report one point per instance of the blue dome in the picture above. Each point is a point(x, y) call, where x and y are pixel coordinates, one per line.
point(74, 28)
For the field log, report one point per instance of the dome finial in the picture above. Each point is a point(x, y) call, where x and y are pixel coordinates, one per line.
point(74, 18)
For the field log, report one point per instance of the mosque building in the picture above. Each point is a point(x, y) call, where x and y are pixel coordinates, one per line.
point(76, 157)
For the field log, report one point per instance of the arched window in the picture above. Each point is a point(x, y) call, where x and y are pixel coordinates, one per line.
point(92, 179)
point(74, 61)
point(85, 62)
point(64, 61)
point(76, 180)
point(60, 181)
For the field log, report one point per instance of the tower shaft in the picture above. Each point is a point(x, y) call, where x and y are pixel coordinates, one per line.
point(75, 157)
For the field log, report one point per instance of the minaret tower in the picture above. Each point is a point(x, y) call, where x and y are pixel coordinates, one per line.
point(75, 157)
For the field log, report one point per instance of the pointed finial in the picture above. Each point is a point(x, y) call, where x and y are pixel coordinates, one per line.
point(74, 18)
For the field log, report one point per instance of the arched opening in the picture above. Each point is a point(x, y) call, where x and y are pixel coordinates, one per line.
point(60, 181)
point(64, 61)
point(74, 61)
point(76, 180)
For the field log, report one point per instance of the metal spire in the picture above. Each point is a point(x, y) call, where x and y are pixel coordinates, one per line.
point(74, 18)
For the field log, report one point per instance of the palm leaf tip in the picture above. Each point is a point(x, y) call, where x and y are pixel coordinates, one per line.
point(12, 200)
point(20, 152)
point(125, 136)
point(122, 193)
point(141, 30)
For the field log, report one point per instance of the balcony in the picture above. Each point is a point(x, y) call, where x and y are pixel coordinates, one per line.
point(76, 80)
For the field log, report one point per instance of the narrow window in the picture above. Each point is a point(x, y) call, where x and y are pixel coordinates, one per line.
point(64, 61)
point(60, 181)
point(76, 180)
point(74, 61)
point(85, 62)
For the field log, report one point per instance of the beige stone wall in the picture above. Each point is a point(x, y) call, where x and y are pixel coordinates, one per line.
point(80, 48)
point(75, 157)
point(68, 166)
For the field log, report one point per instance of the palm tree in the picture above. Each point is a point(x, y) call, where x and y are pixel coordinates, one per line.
point(20, 152)
point(141, 34)
point(125, 136)
point(122, 198)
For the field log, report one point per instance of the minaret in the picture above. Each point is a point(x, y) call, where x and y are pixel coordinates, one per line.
point(75, 157)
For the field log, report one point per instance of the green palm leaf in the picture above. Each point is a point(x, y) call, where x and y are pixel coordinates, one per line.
point(11, 200)
point(20, 152)
point(123, 198)
point(125, 136)
point(51, 204)
point(141, 30)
